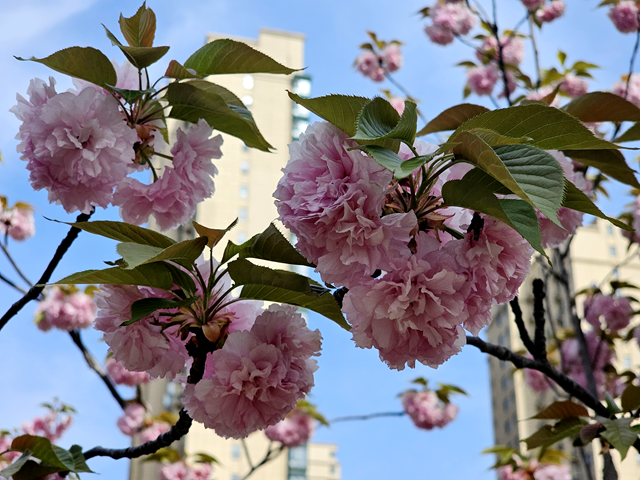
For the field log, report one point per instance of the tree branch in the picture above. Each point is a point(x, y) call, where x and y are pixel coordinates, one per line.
point(271, 454)
point(350, 418)
point(15, 265)
point(540, 340)
point(11, 284)
point(36, 290)
point(522, 329)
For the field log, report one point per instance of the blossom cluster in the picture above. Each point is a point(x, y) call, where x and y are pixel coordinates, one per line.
point(426, 410)
point(81, 147)
point(624, 15)
point(16, 222)
point(428, 286)
point(182, 471)
point(376, 66)
point(295, 430)
point(65, 309)
point(535, 471)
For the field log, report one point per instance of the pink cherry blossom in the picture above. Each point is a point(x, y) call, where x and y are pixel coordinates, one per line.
point(132, 420)
point(536, 380)
point(368, 63)
point(427, 411)
point(17, 223)
point(392, 57)
point(51, 426)
point(7, 458)
point(398, 104)
point(512, 50)
point(145, 345)
point(532, 5)
point(455, 16)
point(632, 93)
point(624, 16)
point(507, 473)
point(77, 147)
point(122, 376)
point(332, 198)
point(65, 312)
point(573, 364)
point(574, 86)
point(181, 471)
point(440, 35)
point(553, 10)
point(153, 431)
point(614, 312)
point(295, 430)
point(481, 80)
point(257, 377)
point(549, 471)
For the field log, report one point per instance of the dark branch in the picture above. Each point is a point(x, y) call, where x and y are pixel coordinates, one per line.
point(522, 329)
point(540, 341)
point(179, 430)
point(11, 284)
point(96, 367)
point(271, 454)
point(36, 290)
point(339, 295)
point(350, 418)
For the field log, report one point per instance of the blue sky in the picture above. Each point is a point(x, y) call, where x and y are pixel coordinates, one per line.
point(350, 381)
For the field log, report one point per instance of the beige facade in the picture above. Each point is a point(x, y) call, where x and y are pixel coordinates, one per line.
point(596, 250)
point(244, 187)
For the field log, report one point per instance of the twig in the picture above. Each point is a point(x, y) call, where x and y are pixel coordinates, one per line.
point(11, 284)
point(501, 64)
point(632, 61)
point(351, 418)
point(246, 453)
point(539, 339)
point(34, 291)
point(96, 367)
point(535, 50)
point(271, 454)
point(587, 467)
point(15, 265)
point(179, 430)
point(522, 329)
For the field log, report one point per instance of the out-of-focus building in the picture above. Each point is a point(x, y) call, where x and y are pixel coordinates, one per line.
point(244, 187)
point(597, 254)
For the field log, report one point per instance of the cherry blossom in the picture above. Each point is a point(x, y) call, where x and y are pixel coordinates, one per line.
point(65, 311)
point(132, 420)
point(295, 430)
point(17, 223)
point(427, 411)
point(624, 16)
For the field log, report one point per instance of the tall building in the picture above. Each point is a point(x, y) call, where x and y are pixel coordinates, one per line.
point(244, 186)
point(597, 252)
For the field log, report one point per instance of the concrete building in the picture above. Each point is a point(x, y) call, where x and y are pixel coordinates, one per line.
point(597, 253)
point(244, 186)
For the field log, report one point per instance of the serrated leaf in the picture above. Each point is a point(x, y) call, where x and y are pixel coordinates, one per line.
point(190, 104)
point(392, 161)
point(230, 56)
point(185, 253)
point(630, 135)
point(609, 162)
point(576, 199)
point(548, 435)
point(378, 120)
point(153, 275)
point(262, 283)
point(271, 245)
point(212, 235)
point(619, 433)
point(602, 107)
point(146, 306)
point(339, 110)
point(630, 399)
point(124, 232)
point(177, 71)
point(85, 63)
point(42, 449)
point(494, 139)
point(452, 118)
point(560, 410)
point(550, 128)
point(79, 460)
point(143, 57)
point(228, 96)
point(140, 29)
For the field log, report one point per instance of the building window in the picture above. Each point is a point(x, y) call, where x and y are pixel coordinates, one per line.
point(247, 82)
point(235, 451)
point(235, 476)
point(504, 381)
point(242, 237)
point(299, 111)
point(612, 251)
point(301, 86)
point(507, 426)
point(244, 167)
point(609, 230)
point(248, 101)
point(243, 214)
point(244, 191)
point(501, 340)
point(505, 404)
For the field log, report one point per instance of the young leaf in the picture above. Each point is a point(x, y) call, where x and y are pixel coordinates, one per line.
point(262, 283)
point(560, 410)
point(392, 161)
point(146, 306)
point(184, 253)
point(631, 135)
point(339, 110)
point(42, 449)
point(231, 56)
point(619, 434)
point(143, 57)
point(212, 235)
point(548, 435)
point(602, 107)
point(153, 275)
point(576, 199)
point(85, 63)
point(609, 162)
point(273, 246)
point(125, 232)
point(379, 120)
point(140, 29)
point(452, 118)
point(177, 71)
point(630, 399)
point(190, 104)
point(131, 96)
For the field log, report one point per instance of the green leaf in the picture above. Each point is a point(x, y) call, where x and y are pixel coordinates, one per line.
point(142, 57)
point(452, 118)
point(131, 96)
point(580, 65)
point(538, 174)
point(273, 246)
point(79, 460)
point(611, 404)
point(392, 161)
point(379, 120)
point(494, 139)
point(560, 410)
point(576, 199)
point(184, 253)
point(177, 71)
point(42, 449)
point(190, 104)
point(124, 232)
point(562, 57)
point(140, 29)
point(15, 467)
point(135, 254)
point(602, 107)
point(550, 128)
point(146, 306)
point(548, 435)
point(213, 235)
point(181, 278)
point(619, 433)
point(339, 110)
point(229, 97)
point(85, 63)
point(262, 283)
point(630, 399)
point(631, 135)
point(230, 56)
point(153, 275)
point(609, 162)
